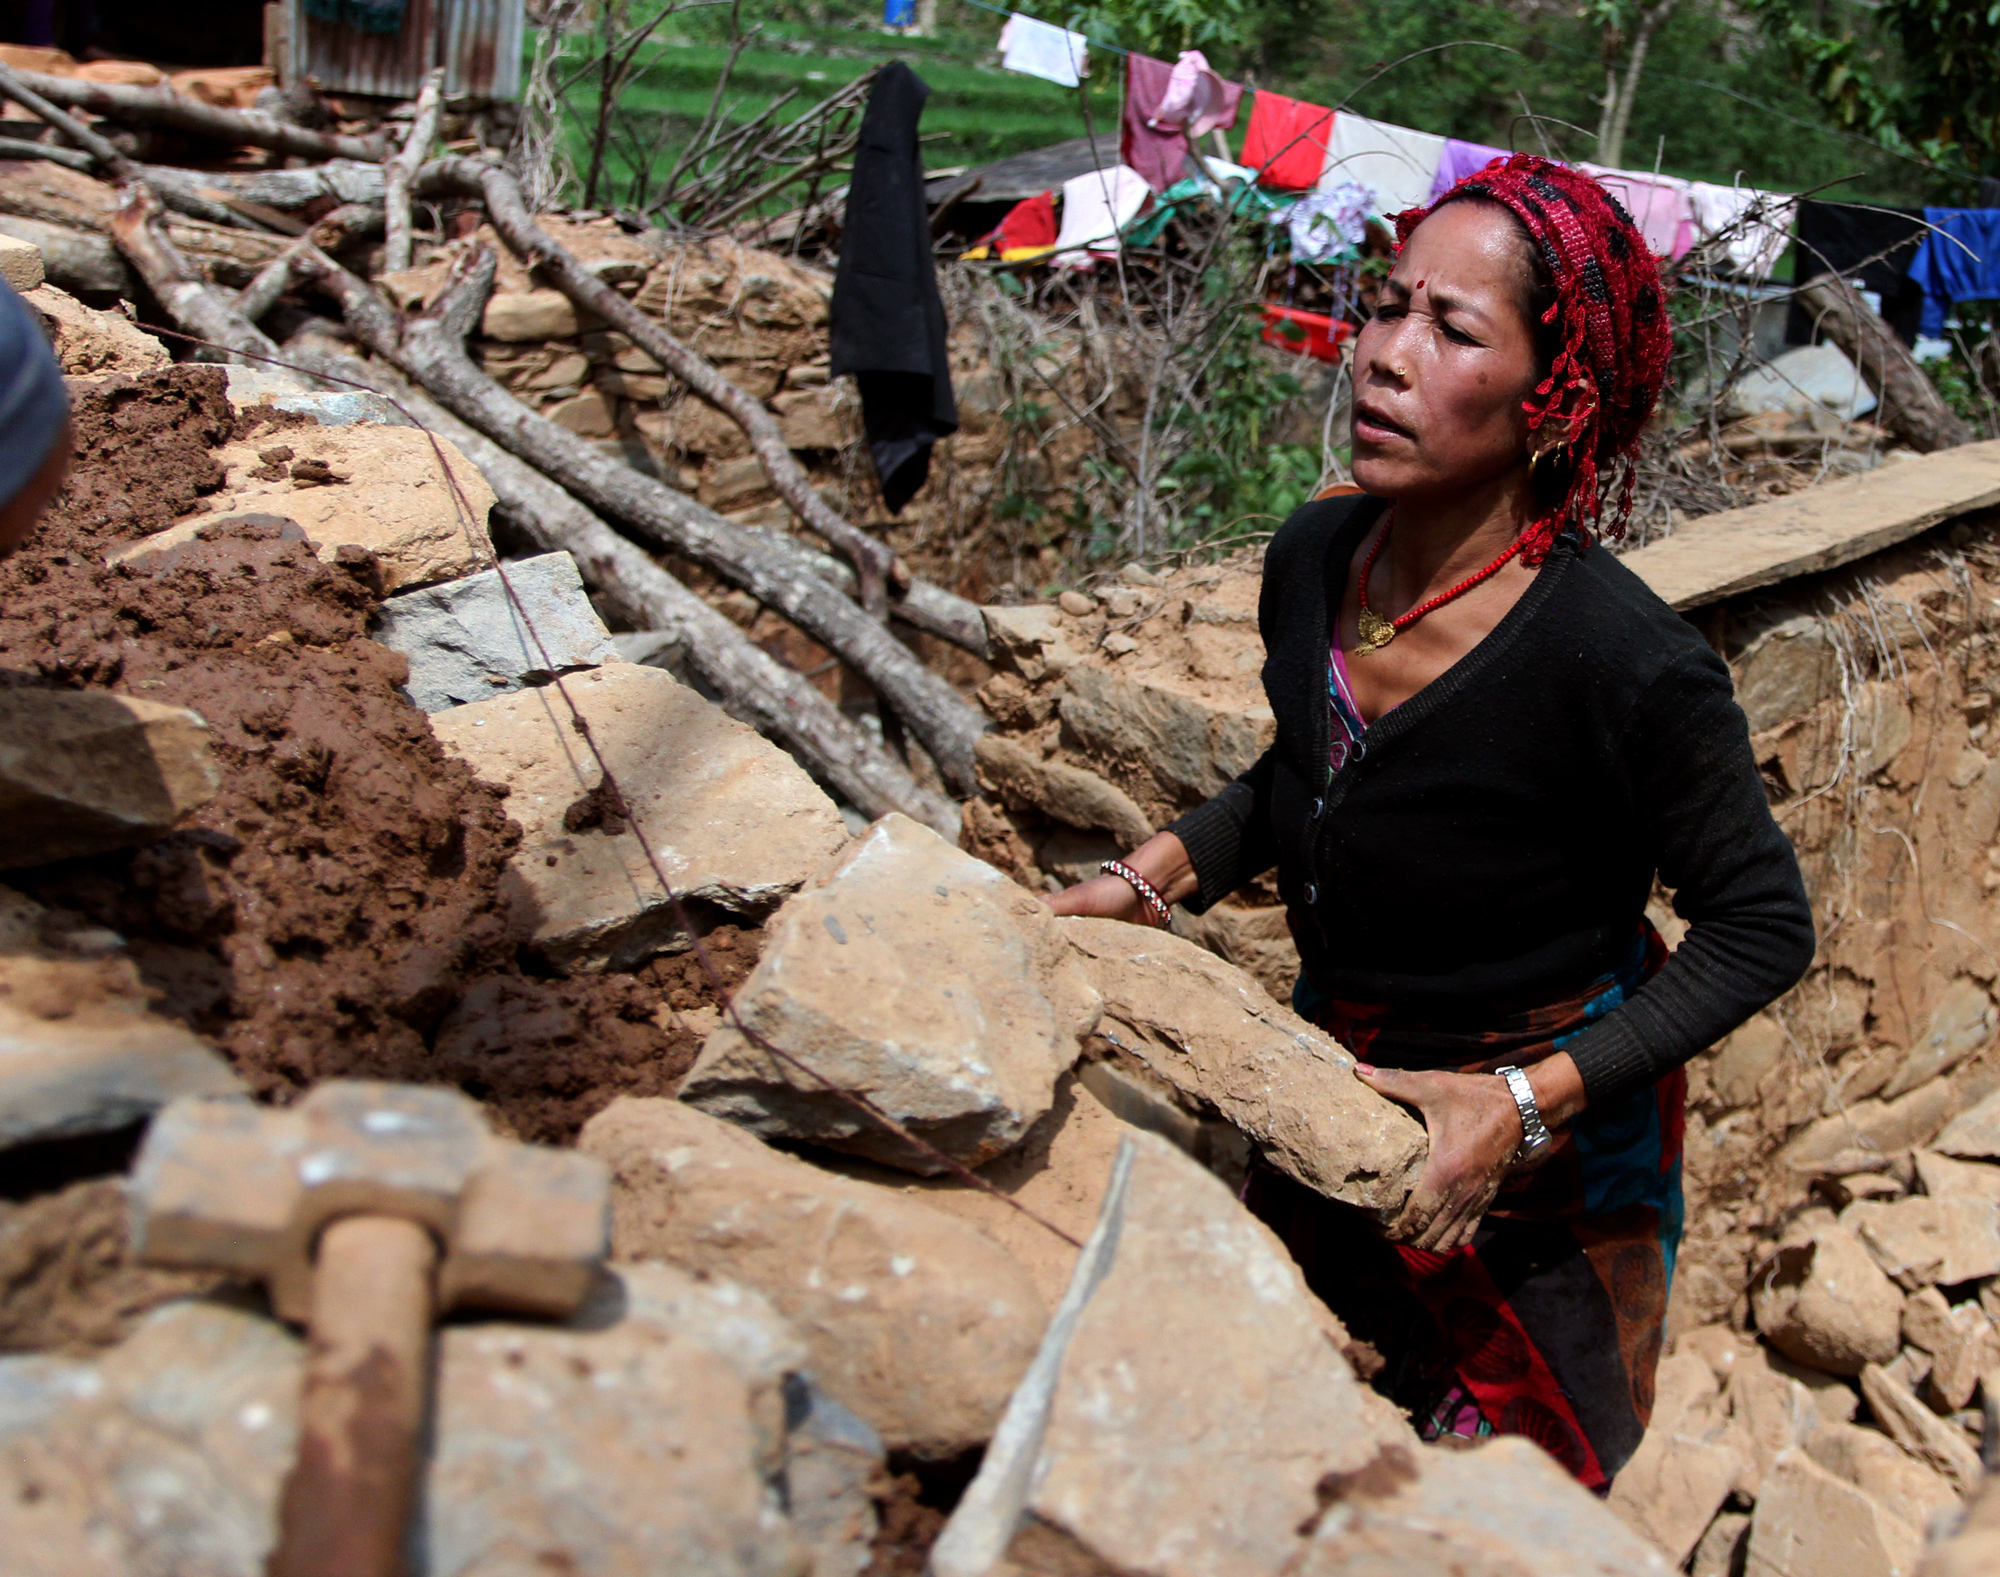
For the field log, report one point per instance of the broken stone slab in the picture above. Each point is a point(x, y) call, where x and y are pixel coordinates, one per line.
point(370, 486)
point(1721, 1549)
point(913, 1319)
point(1920, 1240)
point(923, 978)
point(1932, 1440)
point(1163, 730)
point(1072, 795)
point(1876, 1465)
point(1208, 1033)
point(622, 1445)
point(1030, 640)
point(1858, 1138)
point(1686, 1463)
point(1974, 1135)
point(21, 264)
point(1504, 1510)
point(78, 1058)
point(833, 1461)
point(1961, 1025)
point(1944, 1178)
point(470, 640)
point(736, 823)
point(82, 771)
point(518, 316)
point(1811, 1523)
point(1185, 1406)
point(1827, 1304)
point(248, 386)
point(93, 344)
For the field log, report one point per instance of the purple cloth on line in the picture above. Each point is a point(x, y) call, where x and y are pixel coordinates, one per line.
point(1461, 159)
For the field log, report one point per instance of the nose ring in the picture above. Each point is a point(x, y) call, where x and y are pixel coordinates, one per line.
point(1401, 372)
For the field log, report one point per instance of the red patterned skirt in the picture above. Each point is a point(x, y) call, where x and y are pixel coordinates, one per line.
point(1549, 1323)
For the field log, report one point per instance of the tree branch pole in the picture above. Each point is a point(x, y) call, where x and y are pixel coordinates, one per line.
point(400, 169)
point(431, 349)
point(872, 560)
point(194, 305)
point(755, 687)
point(327, 234)
point(1911, 406)
point(161, 106)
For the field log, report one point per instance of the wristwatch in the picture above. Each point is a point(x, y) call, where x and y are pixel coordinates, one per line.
point(1535, 1136)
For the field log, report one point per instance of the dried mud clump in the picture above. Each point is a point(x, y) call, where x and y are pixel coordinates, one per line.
point(335, 911)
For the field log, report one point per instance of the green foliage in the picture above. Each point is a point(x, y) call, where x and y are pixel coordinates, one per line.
point(1165, 27)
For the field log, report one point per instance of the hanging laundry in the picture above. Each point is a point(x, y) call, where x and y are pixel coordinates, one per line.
point(1459, 160)
point(1095, 208)
point(1957, 260)
point(1329, 225)
point(1399, 165)
point(1027, 231)
point(888, 324)
point(899, 13)
point(1041, 50)
point(1167, 108)
point(1659, 206)
point(1286, 141)
point(1869, 245)
point(1758, 224)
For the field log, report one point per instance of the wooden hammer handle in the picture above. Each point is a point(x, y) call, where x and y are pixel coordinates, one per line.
point(347, 1502)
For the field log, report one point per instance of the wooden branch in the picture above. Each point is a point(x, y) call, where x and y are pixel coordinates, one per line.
point(79, 261)
point(754, 686)
point(431, 349)
point(327, 234)
point(161, 106)
point(193, 305)
point(1911, 406)
point(872, 560)
point(400, 169)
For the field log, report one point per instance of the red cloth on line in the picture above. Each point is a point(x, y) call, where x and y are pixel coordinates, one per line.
point(1286, 142)
point(1030, 222)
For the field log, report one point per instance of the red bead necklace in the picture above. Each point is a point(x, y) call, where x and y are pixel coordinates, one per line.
point(1376, 631)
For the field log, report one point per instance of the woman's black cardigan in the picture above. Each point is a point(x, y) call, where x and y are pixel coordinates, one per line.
point(1494, 843)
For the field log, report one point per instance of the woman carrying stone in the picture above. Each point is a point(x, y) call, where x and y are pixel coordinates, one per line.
point(1491, 739)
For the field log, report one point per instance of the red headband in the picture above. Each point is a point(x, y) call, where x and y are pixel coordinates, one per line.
point(1610, 312)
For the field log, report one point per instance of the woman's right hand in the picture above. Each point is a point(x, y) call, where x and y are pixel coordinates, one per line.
point(1162, 859)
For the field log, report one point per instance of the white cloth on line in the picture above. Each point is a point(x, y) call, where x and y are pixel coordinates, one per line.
point(1759, 224)
point(1394, 162)
point(1042, 50)
point(1095, 208)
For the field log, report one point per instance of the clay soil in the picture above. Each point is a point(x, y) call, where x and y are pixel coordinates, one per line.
point(335, 911)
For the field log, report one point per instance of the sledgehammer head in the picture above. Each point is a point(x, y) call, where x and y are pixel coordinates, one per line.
point(225, 1185)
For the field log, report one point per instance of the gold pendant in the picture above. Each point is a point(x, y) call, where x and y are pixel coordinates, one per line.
point(1376, 631)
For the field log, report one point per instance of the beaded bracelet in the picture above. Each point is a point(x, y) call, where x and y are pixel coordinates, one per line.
point(1149, 895)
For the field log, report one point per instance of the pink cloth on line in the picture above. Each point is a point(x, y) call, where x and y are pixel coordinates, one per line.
point(1459, 160)
point(1197, 101)
point(1659, 205)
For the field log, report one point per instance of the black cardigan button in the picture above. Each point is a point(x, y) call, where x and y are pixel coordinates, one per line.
point(1319, 809)
point(1312, 893)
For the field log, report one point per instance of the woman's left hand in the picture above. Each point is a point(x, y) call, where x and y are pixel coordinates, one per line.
point(1475, 1132)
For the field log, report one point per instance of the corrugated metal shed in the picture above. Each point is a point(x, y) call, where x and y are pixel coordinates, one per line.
point(478, 42)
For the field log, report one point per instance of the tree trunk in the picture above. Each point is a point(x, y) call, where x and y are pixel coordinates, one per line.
point(400, 169)
point(432, 351)
point(1620, 96)
point(753, 685)
point(161, 106)
point(872, 560)
point(1910, 405)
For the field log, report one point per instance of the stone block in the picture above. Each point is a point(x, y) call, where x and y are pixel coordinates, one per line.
point(343, 408)
point(1920, 1240)
point(1722, 1548)
point(1962, 1024)
point(1188, 1405)
point(920, 975)
point(1750, 1052)
point(1164, 731)
point(1072, 795)
point(1889, 1475)
point(912, 1318)
point(1933, 1441)
point(1809, 1523)
point(93, 344)
point(736, 822)
point(78, 1058)
point(21, 264)
point(1786, 671)
point(1858, 1138)
point(470, 640)
point(1974, 1135)
point(375, 487)
point(82, 771)
point(520, 315)
point(1503, 1510)
point(1769, 1413)
point(1207, 1033)
point(588, 415)
point(810, 420)
point(1029, 640)
point(1944, 1178)
point(1826, 1303)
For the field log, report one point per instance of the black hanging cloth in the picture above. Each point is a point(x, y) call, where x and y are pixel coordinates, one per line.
point(1874, 245)
point(888, 321)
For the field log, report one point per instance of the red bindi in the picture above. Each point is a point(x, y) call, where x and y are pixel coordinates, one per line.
point(1420, 284)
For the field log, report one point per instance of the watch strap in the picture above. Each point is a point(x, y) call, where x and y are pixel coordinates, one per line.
point(1535, 1137)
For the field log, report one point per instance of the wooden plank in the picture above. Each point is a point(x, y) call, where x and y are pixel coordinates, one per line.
point(1822, 528)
